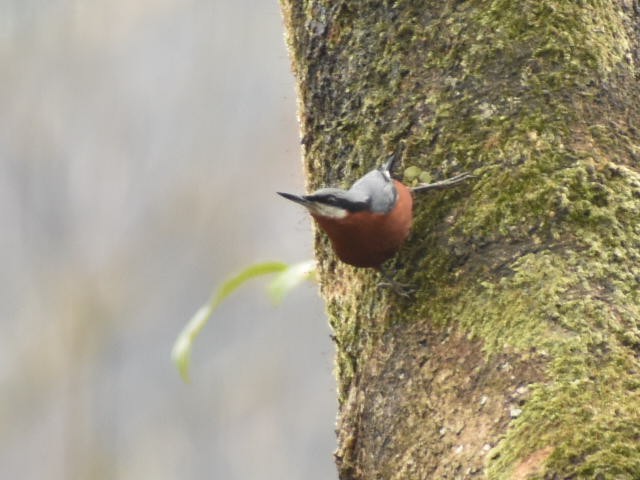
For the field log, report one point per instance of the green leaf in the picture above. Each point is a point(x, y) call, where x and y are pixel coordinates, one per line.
point(181, 351)
point(290, 278)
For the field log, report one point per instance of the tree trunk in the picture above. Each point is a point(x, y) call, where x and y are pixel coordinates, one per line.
point(519, 355)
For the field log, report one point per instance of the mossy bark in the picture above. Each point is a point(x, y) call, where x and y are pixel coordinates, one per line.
point(519, 356)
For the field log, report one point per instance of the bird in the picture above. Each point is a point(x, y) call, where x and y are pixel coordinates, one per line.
point(368, 223)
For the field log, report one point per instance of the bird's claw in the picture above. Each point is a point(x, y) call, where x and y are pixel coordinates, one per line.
point(401, 289)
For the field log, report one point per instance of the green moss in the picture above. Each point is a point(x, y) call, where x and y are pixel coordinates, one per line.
point(574, 304)
point(412, 173)
point(575, 414)
point(540, 256)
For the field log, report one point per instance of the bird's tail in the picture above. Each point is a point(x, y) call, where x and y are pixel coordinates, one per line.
point(394, 158)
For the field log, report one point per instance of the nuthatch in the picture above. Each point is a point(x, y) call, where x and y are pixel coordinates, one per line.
point(368, 223)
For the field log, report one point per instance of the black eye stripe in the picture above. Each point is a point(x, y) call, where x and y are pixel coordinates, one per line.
point(332, 200)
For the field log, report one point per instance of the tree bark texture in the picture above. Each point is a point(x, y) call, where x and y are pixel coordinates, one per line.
point(519, 355)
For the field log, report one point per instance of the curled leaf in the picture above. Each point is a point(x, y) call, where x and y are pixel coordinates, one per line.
point(181, 351)
point(290, 278)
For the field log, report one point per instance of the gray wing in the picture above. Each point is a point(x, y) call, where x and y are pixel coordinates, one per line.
point(379, 190)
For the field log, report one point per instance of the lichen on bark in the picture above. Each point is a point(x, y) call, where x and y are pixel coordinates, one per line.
point(518, 357)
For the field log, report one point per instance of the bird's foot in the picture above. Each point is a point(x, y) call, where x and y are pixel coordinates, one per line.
point(443, 184)
point(405, 290)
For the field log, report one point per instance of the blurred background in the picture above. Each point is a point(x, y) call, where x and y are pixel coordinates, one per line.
point(141, 143)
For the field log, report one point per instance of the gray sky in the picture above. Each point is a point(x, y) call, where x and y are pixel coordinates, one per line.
point(141, 143)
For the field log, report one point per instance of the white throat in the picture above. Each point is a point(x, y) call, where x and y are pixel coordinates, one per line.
point(328, 211)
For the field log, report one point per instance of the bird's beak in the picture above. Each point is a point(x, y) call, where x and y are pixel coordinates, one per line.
point(295, 198)
point(316, 208)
